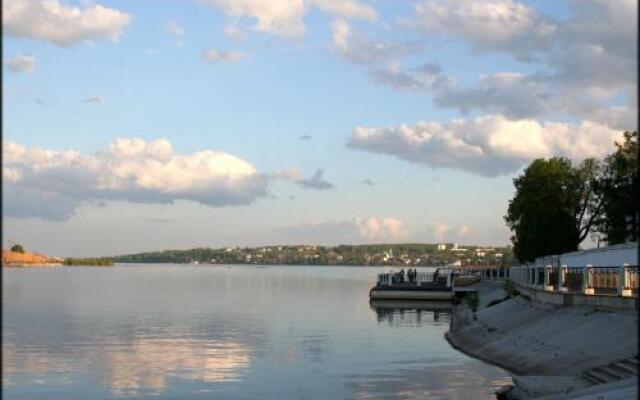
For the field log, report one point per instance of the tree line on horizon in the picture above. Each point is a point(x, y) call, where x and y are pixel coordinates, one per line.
point(367, 254)
point(557, 204)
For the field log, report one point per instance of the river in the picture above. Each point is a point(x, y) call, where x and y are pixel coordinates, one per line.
point(224, 332)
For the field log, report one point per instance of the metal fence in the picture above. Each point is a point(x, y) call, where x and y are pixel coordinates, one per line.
point(593, 280)
point(604, 279)
point(573, 279)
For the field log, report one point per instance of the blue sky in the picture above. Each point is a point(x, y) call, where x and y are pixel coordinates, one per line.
point(418, 114)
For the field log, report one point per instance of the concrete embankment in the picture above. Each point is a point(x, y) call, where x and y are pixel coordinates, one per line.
point(547, 347)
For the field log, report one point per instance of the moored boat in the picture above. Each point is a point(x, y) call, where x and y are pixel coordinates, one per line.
point(414, 285)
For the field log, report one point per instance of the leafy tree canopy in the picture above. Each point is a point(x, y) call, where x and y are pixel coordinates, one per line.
point(554, 208)
point(619, 189)
point(557, 205)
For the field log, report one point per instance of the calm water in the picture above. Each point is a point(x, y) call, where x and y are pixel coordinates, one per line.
point(224, 332)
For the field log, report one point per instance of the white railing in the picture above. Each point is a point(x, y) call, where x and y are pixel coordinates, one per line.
point(391, 278)
point(621, 280)
point(424, 277)
point(488, 272)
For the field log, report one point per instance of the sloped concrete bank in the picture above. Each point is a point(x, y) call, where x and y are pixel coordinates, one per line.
point(547, 347)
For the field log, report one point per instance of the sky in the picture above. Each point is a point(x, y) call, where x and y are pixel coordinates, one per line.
point(129, 127)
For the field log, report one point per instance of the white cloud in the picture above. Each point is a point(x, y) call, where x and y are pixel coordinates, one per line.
point(347, 8)
point(95, 99)
point(487, 25)
point(361, 50)
point(316, 182)
point(52, 184)
point(489, 145)
point(356, 230)
point(289, 174)
point(21, 63)
point(174, 28)
point(584, 65)
point(53, 21)
point(286, 17)
point(214, 55)
point(514, 95)
point(376, 228)
point(439, 230)
point(278, 17)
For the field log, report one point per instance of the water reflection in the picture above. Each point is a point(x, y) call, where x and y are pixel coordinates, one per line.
point(412, 313)
point(145, 364)
point(226, 333)
point(468, 380)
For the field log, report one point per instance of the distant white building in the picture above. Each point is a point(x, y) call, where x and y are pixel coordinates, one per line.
point(457, 248)
point(442, 247)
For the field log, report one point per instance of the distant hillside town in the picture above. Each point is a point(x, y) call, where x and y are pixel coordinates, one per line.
point(413, 254)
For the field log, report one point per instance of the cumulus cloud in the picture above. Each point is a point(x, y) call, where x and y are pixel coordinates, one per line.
point(514, 95)
point(489, 145)
point(55, 22)
point(439, 230)
point(279, 17)
point(582, 66)
point(52, 184)
point(373, 228)
point(316, 182)
point(97, 99)
point(488, 25)
point(424, 77)
point(21, 63)
point(366, 51)
point(215, 56)
point(346, 8)
point(285, 18)
point(597, 46)
point(355, 230)
point(586, 63)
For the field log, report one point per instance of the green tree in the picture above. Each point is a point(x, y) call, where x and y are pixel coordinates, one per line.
point(619, 189)
point(554, 208)
point(18, 248)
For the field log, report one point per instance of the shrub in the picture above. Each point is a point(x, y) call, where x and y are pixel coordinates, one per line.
point(18, 248)
point(472, 300)
point(510, 287)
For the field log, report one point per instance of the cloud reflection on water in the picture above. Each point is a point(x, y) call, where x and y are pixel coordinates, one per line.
point(127, 369)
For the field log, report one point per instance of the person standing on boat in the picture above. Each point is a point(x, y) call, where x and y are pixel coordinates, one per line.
point(402, 275)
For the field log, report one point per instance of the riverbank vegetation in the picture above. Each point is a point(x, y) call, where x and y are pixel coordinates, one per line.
point(557, 204)
point(416, 254)
point(99, 262)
